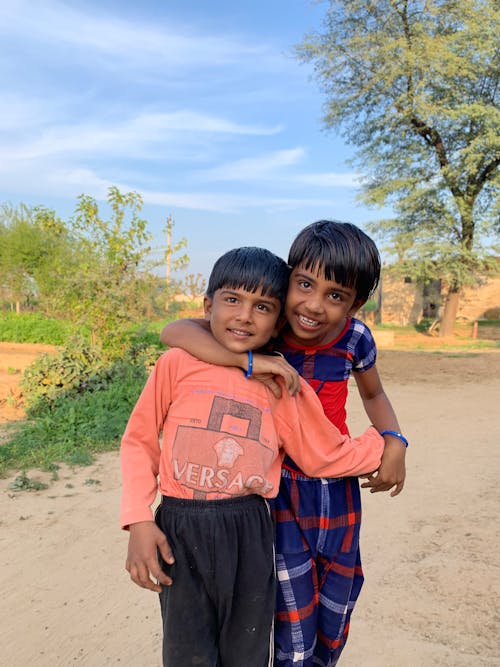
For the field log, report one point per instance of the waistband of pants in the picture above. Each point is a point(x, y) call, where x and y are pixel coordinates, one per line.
point(237, 503)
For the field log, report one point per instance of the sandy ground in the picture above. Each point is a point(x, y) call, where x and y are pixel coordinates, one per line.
point(431, 556)
point(14, 357)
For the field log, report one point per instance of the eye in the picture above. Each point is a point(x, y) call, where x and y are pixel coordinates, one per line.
point(305, 284)
point(231, 299)
point(335, 296)
point(263, 307)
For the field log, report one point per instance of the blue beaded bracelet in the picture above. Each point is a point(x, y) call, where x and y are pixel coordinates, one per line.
point(248, 374)
point(397, 435)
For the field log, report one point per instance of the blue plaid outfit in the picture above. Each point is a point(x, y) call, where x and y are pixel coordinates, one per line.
point(318, 520)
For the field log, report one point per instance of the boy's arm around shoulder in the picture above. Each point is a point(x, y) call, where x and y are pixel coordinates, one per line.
point(194, 336)
point(317, 446)
point(392, 471)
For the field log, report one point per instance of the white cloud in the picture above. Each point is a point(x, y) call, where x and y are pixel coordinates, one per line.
point(228, 203)
point(17, 113)
point(58, 180)
point(92, 99)
point(197, 122)
point(111, 38)
point(254, 168)
point(144, 135)
point(276, 165)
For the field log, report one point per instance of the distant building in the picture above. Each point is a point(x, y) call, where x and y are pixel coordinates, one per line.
point(402, 300)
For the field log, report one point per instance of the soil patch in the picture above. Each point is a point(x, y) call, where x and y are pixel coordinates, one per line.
point(441, 368)
point(431, 556)
point(14, 358)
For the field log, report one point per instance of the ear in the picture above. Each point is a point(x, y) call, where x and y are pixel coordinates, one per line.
point(356, 306)
point(207, 307)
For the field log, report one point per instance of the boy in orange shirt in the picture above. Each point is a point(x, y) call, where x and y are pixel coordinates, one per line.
point(334, 268)
point(210, 546)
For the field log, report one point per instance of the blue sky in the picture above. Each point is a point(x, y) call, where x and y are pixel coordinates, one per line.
point(198, 105)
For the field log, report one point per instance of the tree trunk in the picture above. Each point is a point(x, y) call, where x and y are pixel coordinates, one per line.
point(447, 323)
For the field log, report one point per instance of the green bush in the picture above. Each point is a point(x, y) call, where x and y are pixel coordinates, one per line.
point(34, 328)
point(79, 369)
point(78, 402)
point(74, 369)
point(74, 429)
point(84, 413)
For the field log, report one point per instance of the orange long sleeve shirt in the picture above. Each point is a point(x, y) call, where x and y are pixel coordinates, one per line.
point(205, 431)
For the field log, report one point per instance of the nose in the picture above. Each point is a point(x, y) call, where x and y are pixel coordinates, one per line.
point(244, 313)
point(314, 304)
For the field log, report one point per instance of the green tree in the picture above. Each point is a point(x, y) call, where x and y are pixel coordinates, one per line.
point(27, 250)
point(107, 283)
point(94, 270)
point(15, 236)
point(414, 86)
point(61, 258)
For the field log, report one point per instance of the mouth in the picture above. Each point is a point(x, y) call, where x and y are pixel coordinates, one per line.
point(307, 322)
point(239, 333)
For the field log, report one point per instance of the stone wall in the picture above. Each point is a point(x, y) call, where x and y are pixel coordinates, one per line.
point(403, 301)
point(400, 301)
point(476, 300)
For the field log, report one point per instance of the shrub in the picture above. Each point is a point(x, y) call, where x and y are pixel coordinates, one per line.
point(74, 369)
point(79, 412)
point(74, 429)
point(34, 328)
point(79, 369)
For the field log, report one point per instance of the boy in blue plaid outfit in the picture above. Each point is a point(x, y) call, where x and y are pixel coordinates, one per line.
point(335, 268)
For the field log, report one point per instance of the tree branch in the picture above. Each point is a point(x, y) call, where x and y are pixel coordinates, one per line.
point(486, 174)
point(432, 137)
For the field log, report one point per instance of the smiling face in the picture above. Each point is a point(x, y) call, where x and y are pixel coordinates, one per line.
point(316, 308)
point(241, 320)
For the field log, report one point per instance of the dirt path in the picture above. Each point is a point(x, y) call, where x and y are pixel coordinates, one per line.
point(431, 556)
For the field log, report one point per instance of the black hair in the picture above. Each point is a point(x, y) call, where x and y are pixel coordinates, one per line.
point(342, 252)
point(251, 269)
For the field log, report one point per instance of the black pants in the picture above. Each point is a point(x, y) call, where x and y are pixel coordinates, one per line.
point(219, 610)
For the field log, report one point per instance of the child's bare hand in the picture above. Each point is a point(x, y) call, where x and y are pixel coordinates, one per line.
point(267, 367)
point(142, 558)
point(392, 470)
point(270, 381)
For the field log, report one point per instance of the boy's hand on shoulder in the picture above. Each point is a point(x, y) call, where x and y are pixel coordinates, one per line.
point(392, 471)
point(145, 540)
point(266, 368)
point(270, 381)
